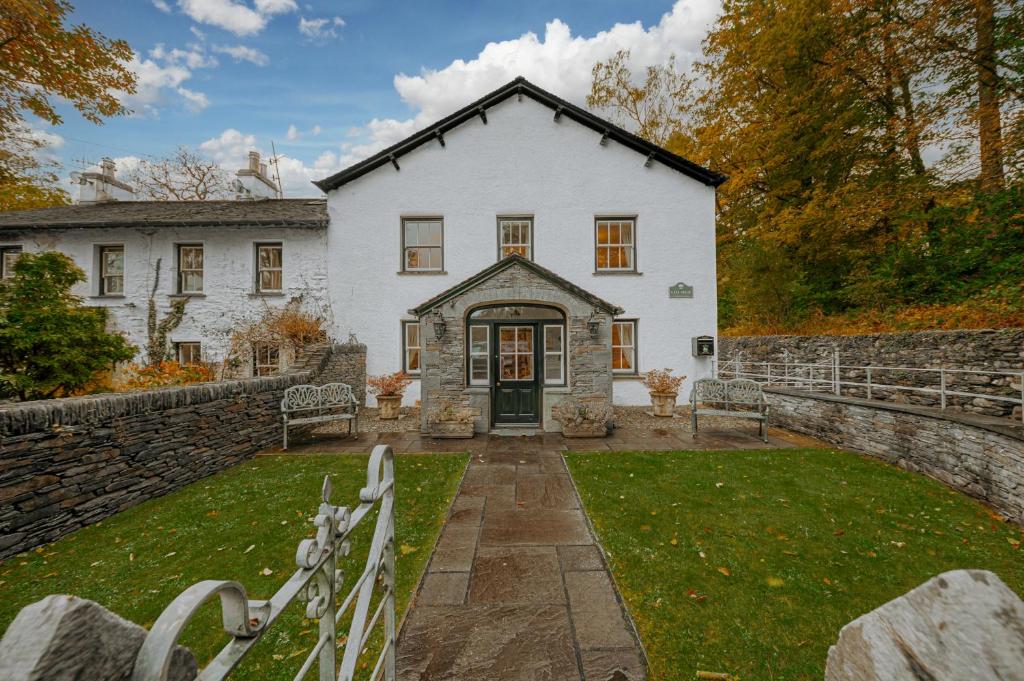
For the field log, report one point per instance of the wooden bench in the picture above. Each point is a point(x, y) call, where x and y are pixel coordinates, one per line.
point(737, 398)
point(319, 404)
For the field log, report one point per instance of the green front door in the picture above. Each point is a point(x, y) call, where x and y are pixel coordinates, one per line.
point(516, 391)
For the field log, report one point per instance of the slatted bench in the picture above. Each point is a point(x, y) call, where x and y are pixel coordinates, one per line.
point(737, 398)
point(319, 404)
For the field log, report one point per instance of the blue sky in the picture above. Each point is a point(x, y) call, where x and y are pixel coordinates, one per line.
point(331, 82)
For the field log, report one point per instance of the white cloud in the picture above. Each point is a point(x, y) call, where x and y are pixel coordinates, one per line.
point(194, 101)
point(193, 58)
point(560, 62)
point(197, 33)
point(315, 130)
point(164, 71)
point(162, 6)
point(321, 29)
point(292, 134)
point(243, 53)
point(230, 149)
point(236, 17)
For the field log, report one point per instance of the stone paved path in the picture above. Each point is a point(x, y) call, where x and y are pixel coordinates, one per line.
point(517, 588)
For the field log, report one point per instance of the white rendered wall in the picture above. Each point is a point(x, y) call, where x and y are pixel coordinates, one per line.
point(229, 296)
point(522, 162)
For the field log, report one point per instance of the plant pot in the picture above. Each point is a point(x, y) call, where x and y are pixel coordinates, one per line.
point(585, 429)
point(390, 406)
point(664, 403)
point(451, 429)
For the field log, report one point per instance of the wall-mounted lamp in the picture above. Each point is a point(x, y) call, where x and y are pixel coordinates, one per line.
point(593, 323)
point(439, 325)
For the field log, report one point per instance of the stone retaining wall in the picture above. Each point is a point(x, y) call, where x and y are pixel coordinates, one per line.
point(985, 350)
point(980, 456)
point(68, 463)
point(347, 364)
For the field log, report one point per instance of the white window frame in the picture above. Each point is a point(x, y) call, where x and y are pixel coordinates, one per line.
point(526, 244)
point(406, 347)
point(632, 323)
point(260, 269)
point(182, 270)
point(104, 287)
point(181, 345)
point(560, 354)
point(630, 246)
point(7, 269)
point(486, 354)
point(265, 368)
point(406, 245)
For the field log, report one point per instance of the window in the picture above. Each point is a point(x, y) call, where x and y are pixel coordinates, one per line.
point(188, 353)
point(8, 256)
point(266, 359)
point(190, 268)
point(616, 244)
point(515, 235)
point(624, 346)
point(111, 270)
point(411, 347)
point(554, 354)
point(479, 355)
point(422, 245)
point(269, 272)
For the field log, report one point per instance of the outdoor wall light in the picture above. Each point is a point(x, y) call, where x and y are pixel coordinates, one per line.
point(439, 326)
point(593, 323)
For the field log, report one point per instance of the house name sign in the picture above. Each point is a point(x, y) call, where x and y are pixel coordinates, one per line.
point(680, 290)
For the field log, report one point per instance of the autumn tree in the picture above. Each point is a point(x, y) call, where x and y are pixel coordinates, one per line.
point(42, 59)
point(183, 176)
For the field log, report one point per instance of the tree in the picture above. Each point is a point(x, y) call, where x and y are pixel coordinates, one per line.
point(50, 344)
point(41, 59)
point(183, 176)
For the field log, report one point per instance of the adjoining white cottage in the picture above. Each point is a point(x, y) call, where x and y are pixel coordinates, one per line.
point(613, 241)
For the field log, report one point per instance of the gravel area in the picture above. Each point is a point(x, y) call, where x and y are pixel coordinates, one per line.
point(370, 422)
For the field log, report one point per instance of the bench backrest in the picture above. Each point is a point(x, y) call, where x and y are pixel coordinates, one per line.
point(736, 391)
point(329, 395)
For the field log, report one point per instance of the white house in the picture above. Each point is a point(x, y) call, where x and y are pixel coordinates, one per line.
point(613, 271)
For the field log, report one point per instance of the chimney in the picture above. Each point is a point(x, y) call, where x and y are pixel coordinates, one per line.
point(108, 168)
point(97, 187)
point(254, 161)
point(253, 182)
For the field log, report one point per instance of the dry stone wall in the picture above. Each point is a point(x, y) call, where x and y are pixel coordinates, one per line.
point(68, 463)
point(987, 350)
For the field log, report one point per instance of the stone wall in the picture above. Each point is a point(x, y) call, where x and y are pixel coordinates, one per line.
point(347, 364)
point(68, 463)
point(985, 350)
point(980, 456)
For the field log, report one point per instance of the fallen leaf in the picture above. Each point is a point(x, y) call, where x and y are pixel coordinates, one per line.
point(775, 582)
point(725, 571)
point(266, 572)
point(674, 541)
point(839, 533)
point(1015, 543)
point(251, 547)
point(405, 549)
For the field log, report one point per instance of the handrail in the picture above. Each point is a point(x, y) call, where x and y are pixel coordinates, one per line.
point(316, 582)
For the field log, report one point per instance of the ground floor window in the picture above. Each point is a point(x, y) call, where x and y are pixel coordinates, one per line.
point(8, 256)
point(624, 346)
point(189, 353)
point(554, 354)
point(411, 347)
point(266, 359)
point(479, 355)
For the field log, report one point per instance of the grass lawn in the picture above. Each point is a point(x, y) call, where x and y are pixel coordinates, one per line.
point(750, 562)
point(234, 525)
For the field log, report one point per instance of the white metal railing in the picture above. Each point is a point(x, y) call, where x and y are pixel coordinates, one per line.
point(941, 384)
point(316, 582)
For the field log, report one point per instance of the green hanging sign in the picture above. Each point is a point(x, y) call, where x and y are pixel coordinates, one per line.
point(680, 290)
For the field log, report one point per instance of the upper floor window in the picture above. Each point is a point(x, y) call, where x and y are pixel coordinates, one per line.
point(190, 268)
point(422, 245)
point(269, 268)
point(615, 242)
point(111, 271)
point(188, 353)
point(515, 235)
point(624, 346)
point(8, 256)
point(411, 347)
point(266, 359)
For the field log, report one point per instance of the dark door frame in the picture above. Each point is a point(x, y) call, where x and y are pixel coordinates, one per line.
point(534, 385)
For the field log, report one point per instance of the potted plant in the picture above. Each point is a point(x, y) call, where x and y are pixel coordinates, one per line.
point(452, 421)
point(664, 388)
point(388, 389)
point(583, 418)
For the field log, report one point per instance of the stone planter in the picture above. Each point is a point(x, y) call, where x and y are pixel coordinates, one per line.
point(585, 429)
point(664, 403)
point(451, 429)
point(389, 406)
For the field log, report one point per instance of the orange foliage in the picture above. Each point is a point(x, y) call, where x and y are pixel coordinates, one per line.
point(388, 385)
point(164, 374)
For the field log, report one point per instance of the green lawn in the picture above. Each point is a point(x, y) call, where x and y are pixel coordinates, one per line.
point(234, 525)
point(750, 562)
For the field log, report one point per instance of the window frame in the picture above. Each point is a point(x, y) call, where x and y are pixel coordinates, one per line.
point(102, 289)
point(180, 289)
point(259, 270)
point(516, 218)
point(179, 346)
point(633, 269)
point(406, 347)
point(401, 254)
point(5, 272)
point(562, 367)
point(256, 365)
point(635, 371)
point(486, 354)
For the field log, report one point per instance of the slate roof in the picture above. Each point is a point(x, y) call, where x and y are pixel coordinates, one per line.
point(261, 213)
point(523, 87)
point(503, 264)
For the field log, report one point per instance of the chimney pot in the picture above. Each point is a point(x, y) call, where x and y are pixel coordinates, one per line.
point(108, 168)
point(263, 169)
point(254, 160)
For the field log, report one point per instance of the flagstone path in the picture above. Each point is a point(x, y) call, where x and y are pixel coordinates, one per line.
point(517, 588)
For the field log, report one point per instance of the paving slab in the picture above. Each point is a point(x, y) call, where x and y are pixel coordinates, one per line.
point(545, 492)
point(577, 558)
point(520, 574)
point(537, 527)
point(444, 588)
